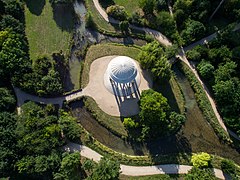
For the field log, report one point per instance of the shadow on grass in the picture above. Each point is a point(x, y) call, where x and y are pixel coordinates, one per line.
point(63, 14)
point(164, 87)
point(169, 145)
point(106, 3)
point(35, 6)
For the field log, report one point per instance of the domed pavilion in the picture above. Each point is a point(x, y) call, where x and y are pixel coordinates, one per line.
point(122, 77)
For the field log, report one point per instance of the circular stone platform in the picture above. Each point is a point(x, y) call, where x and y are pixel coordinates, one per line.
point(107, 101)
point(122, 77)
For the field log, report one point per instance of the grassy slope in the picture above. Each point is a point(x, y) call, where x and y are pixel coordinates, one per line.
point(49, 31)
point(130, 6)
point(98, 19)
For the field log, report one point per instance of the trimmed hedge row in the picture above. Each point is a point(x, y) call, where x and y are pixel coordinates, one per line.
point(204, 104)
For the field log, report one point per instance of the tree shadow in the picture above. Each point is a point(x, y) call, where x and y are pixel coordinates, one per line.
point(128, 41)
point(63, 14)
point(106, 3)
point(35, 6)
point(169, 149)
point(164, 87)
point(63, 69)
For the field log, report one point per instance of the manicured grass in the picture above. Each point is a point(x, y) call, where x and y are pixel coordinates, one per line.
point(50, 29)
point(130, 6)
point(100, 50)
point(101, 24)
point(171, 90)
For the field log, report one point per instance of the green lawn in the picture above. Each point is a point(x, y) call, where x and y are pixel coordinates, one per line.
point(98, 19)
point(48, 29)
point(130, 6)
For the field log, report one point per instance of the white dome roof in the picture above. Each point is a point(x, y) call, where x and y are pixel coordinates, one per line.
point(122, 69)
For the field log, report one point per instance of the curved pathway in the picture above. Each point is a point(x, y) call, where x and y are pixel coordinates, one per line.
point(23, 96)
point(163, 40)
point(137, 170)
point(156, 34)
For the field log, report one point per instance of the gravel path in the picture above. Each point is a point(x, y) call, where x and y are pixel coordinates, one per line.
point(136, 170)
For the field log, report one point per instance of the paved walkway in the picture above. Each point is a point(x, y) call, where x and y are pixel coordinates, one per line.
point(156, 34)
point(23, 96)
point(136, 170)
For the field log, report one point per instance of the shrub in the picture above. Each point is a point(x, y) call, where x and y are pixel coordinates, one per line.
point(129, 123)
point(228, 167)
point(205, 69)
point(124, 26)
point(201, 160)
point(70, 127)
point(193, 55)
point(117, 12)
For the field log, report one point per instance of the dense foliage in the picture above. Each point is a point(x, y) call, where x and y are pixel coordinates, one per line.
point(197, 173)
point(46, 74)
point(107, 169)
point(118, 12)
point(201, 160)
point(155, 115)
point(219, 66)
point(153, 58)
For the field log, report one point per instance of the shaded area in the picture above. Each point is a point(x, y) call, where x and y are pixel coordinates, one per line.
point(33, 8)
point(102, 134)
point(165, 89)
point(63, 15)
point(195, 136)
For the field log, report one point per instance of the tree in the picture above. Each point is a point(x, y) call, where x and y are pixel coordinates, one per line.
point(152, 58)
point(14, 60)
point(225, 72)
point(227, 96)
point(150, 52)
point(7, 100)
point(196, 174)
point(106, 170)
point(205, 69)
point(8, 154)
point(9, 22)
point(117, 12)
point(162, 68)
point(124, 26)
point(147, 6)
point(15, 9)
point(36, 167)
point(37, 132)
point(194, 55)
point(70, 128)
point(70, 168)
point(165, 22)
point(194, 31)
point(153, 111)
point(201, 160)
